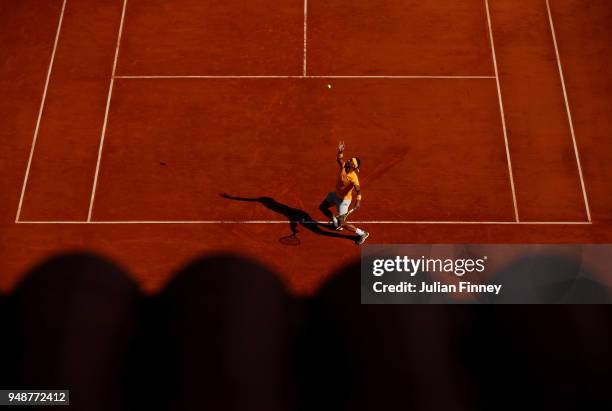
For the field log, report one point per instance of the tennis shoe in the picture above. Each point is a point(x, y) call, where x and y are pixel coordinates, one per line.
point(334, 222)
point(362, 238)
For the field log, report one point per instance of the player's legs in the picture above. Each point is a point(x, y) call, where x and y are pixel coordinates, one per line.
point(324, 207)
point(328, 203)
point(361, 234)
point(343, 208)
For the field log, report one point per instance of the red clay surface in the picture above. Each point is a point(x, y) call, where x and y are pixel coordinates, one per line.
point(213, 37)
point(248, 138)
point(61, 171)
point(543, 157)
point(398, 37)
point(432, 149)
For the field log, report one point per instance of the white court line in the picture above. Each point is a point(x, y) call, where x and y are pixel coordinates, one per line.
point(313, 222)
point(108, 100)
point(162, 77)
point(569, 114)
point(305, 35)
point(40, 112)
point(503, 115)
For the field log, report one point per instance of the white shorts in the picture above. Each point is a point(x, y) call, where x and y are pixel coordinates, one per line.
point(342, 206)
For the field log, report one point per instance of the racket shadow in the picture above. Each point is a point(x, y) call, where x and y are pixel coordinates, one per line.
point(295, 217)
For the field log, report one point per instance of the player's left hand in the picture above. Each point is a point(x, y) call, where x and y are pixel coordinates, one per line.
point(357, 205)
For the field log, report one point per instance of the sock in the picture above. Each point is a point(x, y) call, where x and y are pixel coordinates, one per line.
point(359, 232)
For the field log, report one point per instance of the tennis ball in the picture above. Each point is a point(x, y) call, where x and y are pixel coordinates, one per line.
point(329, 86)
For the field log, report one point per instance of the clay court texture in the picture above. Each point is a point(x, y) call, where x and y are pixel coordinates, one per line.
point(124, 120)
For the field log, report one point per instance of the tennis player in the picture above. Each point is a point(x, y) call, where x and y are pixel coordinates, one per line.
point(347, 183)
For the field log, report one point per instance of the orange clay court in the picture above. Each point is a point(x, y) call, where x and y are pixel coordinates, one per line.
point(124, 120)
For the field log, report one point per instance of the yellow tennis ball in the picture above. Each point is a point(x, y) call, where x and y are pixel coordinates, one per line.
point(329, 86)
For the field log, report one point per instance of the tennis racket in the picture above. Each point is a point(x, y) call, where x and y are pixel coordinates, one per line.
point(342, 217)
point(345, 215)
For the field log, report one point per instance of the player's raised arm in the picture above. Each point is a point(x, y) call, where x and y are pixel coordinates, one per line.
point(340, 154)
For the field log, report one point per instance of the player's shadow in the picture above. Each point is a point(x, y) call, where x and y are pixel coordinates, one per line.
point(295, 216)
